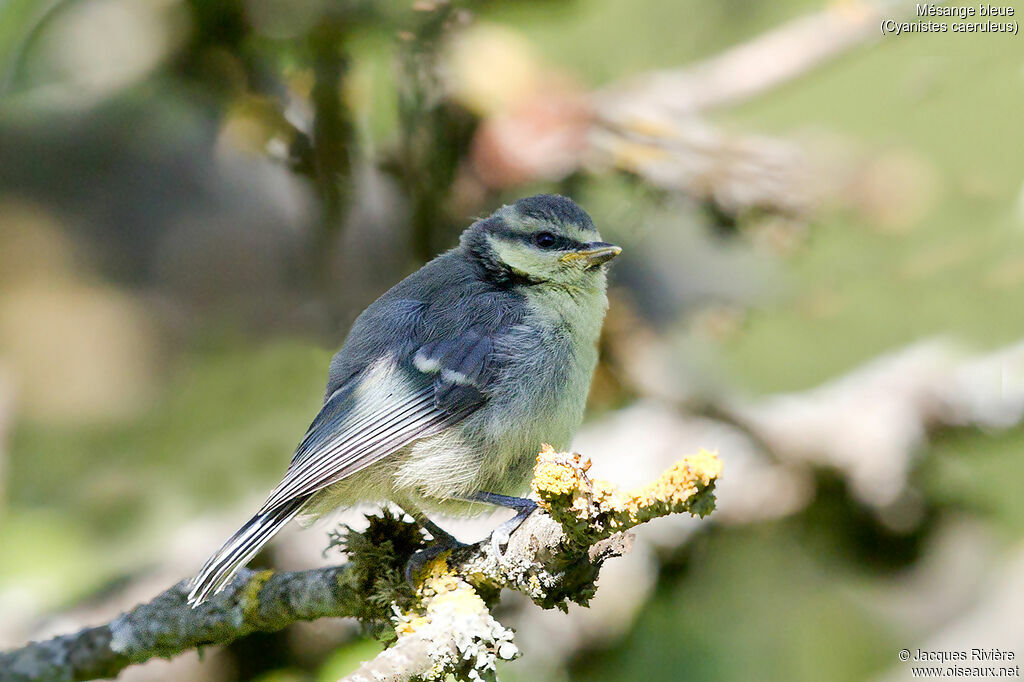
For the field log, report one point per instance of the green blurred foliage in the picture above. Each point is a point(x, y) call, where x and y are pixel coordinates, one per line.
point(950, 103)
point(753, 604)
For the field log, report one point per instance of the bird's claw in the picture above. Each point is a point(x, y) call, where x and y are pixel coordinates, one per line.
point(503, 533)
point(422, 557)
point(499, 541)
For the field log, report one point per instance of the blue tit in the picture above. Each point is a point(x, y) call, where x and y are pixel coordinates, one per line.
point(448, 384)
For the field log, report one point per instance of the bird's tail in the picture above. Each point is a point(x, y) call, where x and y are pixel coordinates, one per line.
point(239, 549)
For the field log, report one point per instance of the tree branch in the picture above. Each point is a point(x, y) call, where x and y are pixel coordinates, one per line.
point(554, 558)
point(256, 601)
point(446, 628)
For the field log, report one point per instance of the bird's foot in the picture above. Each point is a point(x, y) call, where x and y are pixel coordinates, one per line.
point(442, 541)
point(501, 535)
point(419, 560)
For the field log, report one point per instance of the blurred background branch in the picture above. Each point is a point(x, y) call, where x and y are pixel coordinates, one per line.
point(767, 61)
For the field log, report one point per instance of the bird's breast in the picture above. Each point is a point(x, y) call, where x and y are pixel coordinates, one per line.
point(547, 365)
point(543, 368)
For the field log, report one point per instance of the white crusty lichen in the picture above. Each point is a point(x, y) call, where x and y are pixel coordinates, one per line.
point(454, 620)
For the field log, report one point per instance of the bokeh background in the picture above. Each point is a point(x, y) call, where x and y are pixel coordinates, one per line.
point(823, 279)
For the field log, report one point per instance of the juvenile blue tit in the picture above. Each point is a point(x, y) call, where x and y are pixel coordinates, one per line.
point(448, 384)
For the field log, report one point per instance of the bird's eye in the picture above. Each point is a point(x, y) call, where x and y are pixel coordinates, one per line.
point(545, 240)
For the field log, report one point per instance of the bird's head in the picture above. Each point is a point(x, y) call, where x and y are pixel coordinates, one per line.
point(543, 239)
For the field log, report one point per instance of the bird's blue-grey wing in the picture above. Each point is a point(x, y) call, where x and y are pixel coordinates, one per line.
point(377, 411)
point(386, 407)
point(459, 366)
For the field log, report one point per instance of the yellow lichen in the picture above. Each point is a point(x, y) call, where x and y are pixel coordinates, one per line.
point(562, 486)
point(433, 573)
point(460, 598)
point(675, 487)
point(441, 590)
point(554, 475)
point(412, 625)
point(250, 594)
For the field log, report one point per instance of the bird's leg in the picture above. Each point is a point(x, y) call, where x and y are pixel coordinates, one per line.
point(500, 535)
point(438, 534)
point(442, 542)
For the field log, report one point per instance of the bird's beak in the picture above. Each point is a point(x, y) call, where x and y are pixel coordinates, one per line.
point(594, 253)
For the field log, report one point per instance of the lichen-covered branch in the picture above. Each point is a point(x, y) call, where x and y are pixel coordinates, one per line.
point(554, 558)
point(451, 631)
point(591, 511)
point(444, 628)
point(166, 626)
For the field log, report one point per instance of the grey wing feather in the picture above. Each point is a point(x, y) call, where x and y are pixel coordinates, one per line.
point(445, 383)
point(351, 437)
point(239, 549)
point(358, 427)
point(348, 435)
point(460, 366)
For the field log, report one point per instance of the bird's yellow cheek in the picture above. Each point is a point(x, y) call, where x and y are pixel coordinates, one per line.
point(525, 260)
